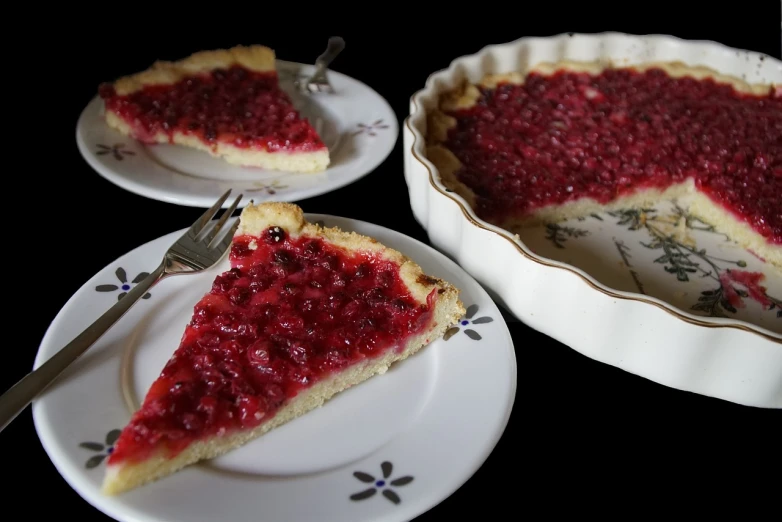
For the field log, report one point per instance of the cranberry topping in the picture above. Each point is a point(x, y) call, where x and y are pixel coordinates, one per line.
point(244, 108)
point(289, 313)
point(570, 135)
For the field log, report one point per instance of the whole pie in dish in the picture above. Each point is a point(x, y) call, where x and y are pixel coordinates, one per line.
point(226, 102)
point(304, 313)
point(569, 139)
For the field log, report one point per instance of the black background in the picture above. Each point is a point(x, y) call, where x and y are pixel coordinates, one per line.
point(583, 436)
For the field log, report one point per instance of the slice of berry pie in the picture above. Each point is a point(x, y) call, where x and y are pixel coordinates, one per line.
point(568, 139)
point(226, 102)
point(304, 313)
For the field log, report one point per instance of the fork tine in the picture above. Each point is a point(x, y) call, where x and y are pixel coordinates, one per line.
point(207, 216)
point(210, 238)
point(226, 241)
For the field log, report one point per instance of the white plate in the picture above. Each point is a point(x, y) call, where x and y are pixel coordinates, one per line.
point(355, 122)
point(612, 292)
point(388, 449)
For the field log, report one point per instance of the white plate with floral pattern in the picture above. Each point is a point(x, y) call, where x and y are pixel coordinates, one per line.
point(388, 449)
point(355, 122)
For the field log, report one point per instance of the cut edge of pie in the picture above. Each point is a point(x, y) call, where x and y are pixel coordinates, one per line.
point(447, 309)
point(466, 95)
point(255, 58)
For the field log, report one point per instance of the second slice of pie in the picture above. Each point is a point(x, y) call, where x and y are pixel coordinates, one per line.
point(304, 313)
point(227, 103)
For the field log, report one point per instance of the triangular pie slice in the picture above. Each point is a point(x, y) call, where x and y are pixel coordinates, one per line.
point(304, 313)
point(226, 102)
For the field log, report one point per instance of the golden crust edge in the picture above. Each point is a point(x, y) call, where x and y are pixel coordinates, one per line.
point(675, 69)
point(257, 218)
point(466, 94)
point(305, 162)
point(254, 57)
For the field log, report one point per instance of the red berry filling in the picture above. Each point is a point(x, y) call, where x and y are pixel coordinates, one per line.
point(288, 314)
point(243, 108)
point(559, 138)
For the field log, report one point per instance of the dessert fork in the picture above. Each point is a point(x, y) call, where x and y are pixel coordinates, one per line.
point(199, 248)
point(319, 81)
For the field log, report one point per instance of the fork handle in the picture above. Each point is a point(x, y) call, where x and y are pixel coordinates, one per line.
point(16, 399)
point(334, 47)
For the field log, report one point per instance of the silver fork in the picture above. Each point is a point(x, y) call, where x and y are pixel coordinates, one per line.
point(319, 81)
point(198, 249)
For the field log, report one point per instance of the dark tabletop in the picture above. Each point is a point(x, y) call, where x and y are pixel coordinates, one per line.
point(583, 435)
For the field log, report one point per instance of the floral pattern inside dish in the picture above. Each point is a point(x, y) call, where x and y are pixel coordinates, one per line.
point(665, 252)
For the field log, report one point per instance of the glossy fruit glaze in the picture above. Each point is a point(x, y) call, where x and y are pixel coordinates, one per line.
point(287, 315)
point(244, 108)
point(562, 137)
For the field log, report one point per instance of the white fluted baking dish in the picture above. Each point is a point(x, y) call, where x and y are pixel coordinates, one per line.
point(593, 308)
